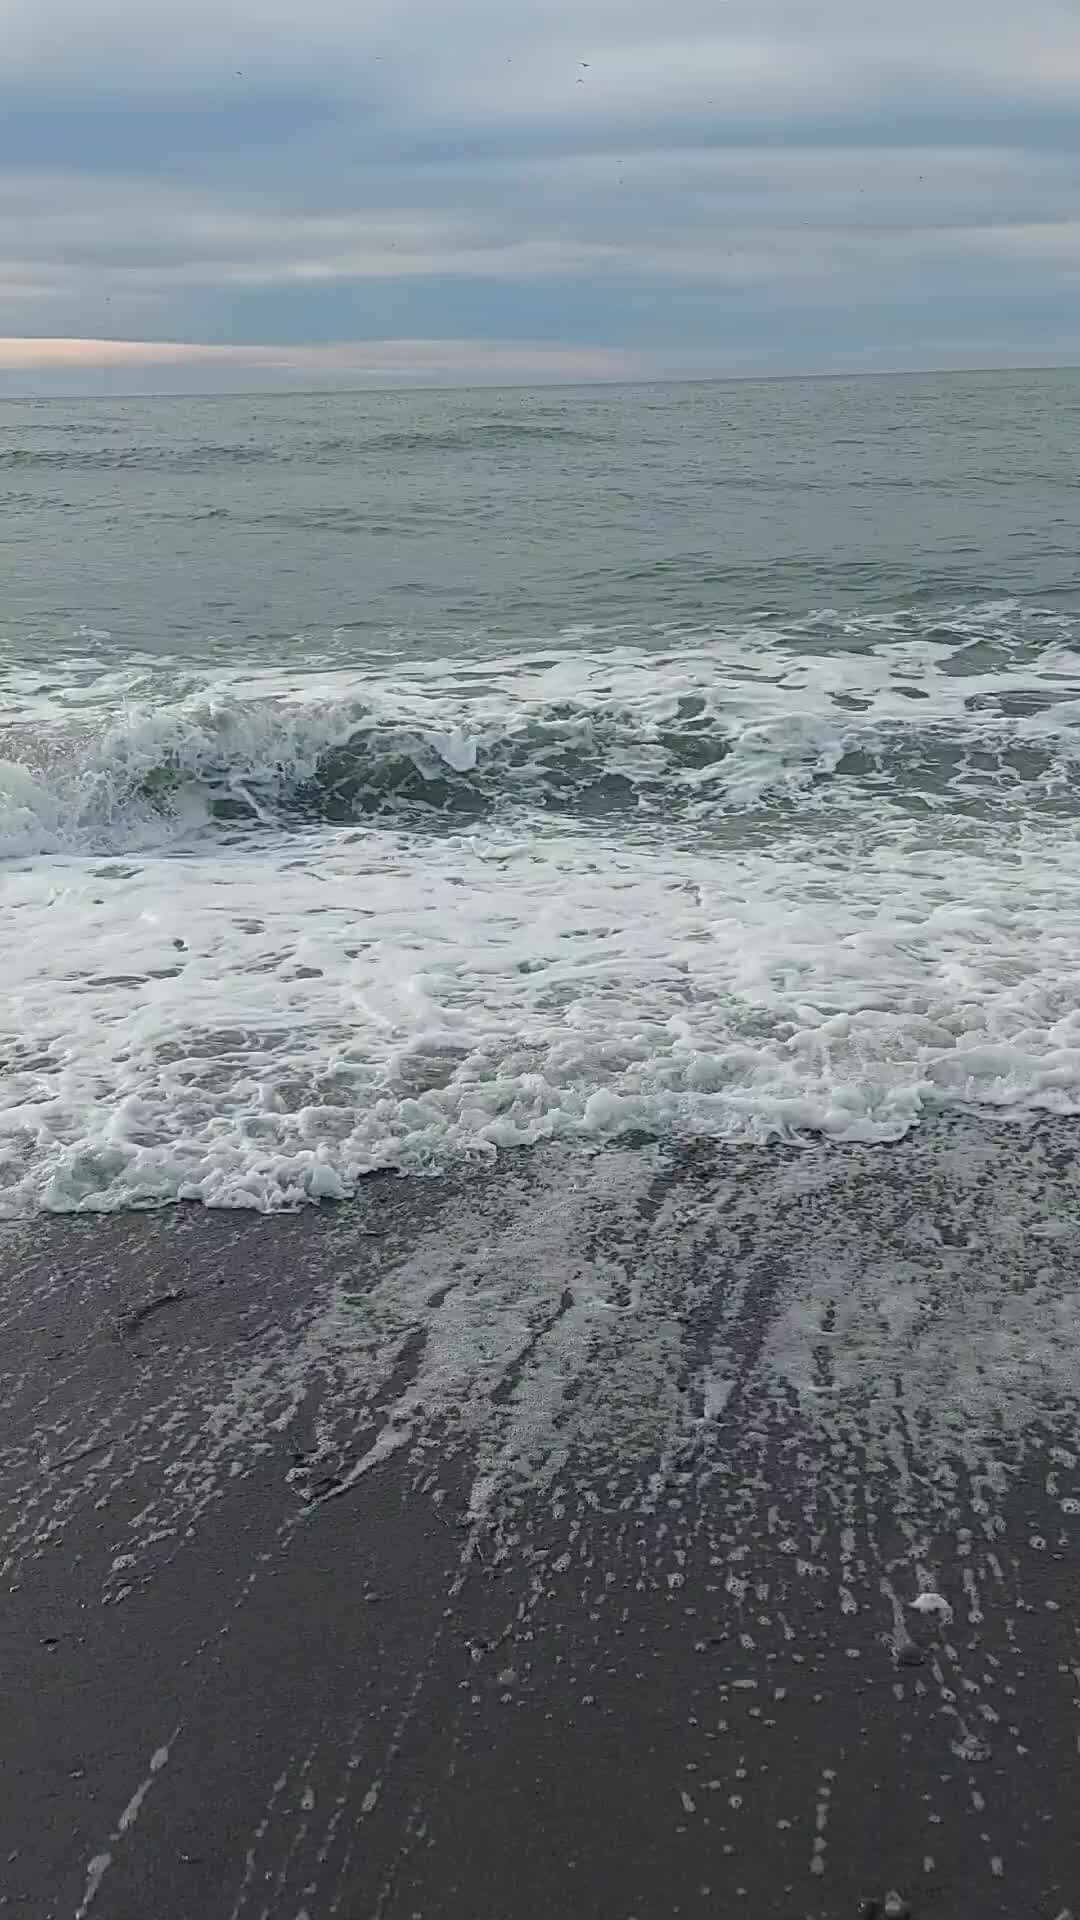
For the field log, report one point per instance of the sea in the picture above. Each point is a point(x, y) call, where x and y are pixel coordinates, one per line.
point(401, 780)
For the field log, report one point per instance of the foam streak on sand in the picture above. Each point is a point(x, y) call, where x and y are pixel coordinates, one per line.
point(562, 1315)
point(826, 1605)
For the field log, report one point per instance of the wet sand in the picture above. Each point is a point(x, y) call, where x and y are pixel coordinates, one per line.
point(543, 1543)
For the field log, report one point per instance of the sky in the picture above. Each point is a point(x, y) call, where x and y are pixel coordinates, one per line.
point(251, 193)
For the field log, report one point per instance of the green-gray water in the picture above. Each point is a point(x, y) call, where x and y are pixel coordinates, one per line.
point(393, 777)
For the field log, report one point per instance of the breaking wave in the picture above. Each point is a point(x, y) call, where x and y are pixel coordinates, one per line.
point(737, 887)
point(621, 736)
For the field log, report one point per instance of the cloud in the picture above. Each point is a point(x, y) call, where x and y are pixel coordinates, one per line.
point(747, 184)
point(369, 361)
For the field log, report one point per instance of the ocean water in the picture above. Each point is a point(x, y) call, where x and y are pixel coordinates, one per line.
point(391, 780)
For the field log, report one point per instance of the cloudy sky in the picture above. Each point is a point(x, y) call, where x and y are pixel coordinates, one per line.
point(228, 193)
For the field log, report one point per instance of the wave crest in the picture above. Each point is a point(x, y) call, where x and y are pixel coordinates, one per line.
point(274, 762)
point(698, 736)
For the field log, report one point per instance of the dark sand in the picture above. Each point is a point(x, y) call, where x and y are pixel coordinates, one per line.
point(614, 1621)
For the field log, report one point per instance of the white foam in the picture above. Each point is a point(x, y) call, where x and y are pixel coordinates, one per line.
point(258, 1018)
point(933, 1603)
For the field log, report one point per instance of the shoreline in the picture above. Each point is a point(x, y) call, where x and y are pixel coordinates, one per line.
point(544, 1541)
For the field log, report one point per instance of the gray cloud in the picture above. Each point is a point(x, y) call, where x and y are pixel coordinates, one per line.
point(623, 186)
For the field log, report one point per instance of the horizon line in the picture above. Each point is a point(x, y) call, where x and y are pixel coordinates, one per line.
point(522, 383)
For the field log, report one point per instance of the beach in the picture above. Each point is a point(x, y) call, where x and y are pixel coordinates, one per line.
point(539, 1074)
point(545, 1539)
point(539, 962)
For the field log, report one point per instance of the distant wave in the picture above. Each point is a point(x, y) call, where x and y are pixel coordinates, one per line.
point(158, 457)
point(485, 434)
point(149, 458)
